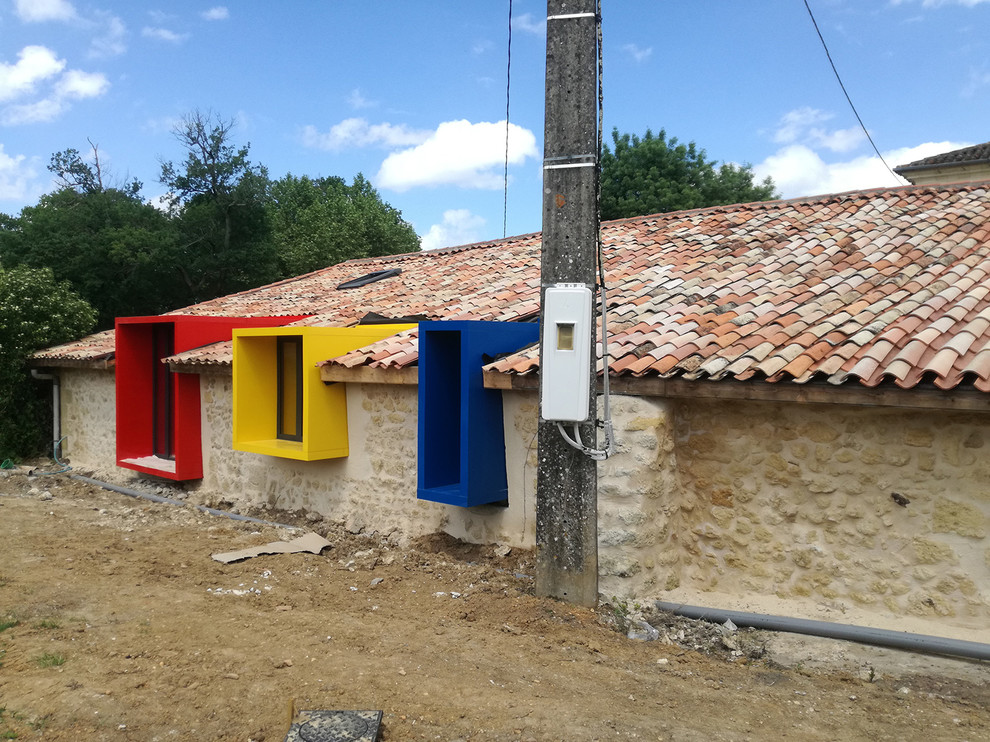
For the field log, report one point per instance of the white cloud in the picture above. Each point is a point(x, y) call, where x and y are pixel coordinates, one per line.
point(526, 22)
point(218, 13)
point(904, 155)
point(638, 53)
point(458, 153)
point(36, 11)
point(804, 125)
point(798, 170)
point(109, 41)
point(37, 65)
point(459, 227)
point(38, 112)
point(357, 101)
point(794, 123)
point(34, 64)
point(163, 34)
point(357, 132)
point(839, 140)
point(803, 168)
point(15, 177)
point(78, 84)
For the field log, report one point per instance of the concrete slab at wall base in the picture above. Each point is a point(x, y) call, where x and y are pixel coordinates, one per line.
point(878, 513)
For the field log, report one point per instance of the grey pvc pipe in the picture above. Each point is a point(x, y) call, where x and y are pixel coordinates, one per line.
point(169, 501)
point(861, 634)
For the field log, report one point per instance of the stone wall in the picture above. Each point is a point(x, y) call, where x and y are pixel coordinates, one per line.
point(373, 489)
point(637, 499)
point(865, 511)
point(879, 509)
point(514, 525)
point(89, 418)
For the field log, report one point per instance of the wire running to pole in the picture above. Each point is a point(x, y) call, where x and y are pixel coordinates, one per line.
point(505, 172)
point(845, 92)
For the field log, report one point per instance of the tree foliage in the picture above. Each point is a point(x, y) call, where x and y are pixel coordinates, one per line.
point(73, 172)
point(320, 222)
point(227, 227)
point(36, 311)
point(653, 174)
point(105, 242)
point(217, 197)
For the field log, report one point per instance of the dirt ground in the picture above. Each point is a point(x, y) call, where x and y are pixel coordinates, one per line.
point(116, 624)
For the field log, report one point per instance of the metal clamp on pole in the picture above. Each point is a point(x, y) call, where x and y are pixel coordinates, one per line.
point(570, 16)
point(567, 161)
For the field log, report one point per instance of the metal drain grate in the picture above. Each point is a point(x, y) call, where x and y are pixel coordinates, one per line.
point(335, 726)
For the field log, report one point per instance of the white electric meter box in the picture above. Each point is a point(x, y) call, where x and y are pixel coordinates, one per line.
point(565, 367)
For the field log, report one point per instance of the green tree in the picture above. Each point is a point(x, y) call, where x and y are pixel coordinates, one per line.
point(36, 311)
point(98, 235)
point(110, 246)
point(653, 174)
point(227, 228)
point(217, 197)
point(73, 172)
point(323, 221)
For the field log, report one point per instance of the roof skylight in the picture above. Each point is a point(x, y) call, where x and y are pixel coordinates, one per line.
point(369, 278)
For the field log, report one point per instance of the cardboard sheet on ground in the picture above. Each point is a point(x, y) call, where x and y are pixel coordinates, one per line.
point(311, 542)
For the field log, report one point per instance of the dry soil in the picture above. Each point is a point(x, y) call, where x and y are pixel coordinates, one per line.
point(118, 625)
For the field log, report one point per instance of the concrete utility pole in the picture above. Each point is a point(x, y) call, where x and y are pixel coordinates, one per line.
point(567, 480)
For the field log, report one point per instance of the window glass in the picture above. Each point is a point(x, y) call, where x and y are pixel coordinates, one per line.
point(289, 375)
point(162, 393)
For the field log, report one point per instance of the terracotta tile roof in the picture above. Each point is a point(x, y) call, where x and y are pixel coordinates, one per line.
point(490, 280)
point(874, 287)
point(869, 287)
point(398, 351)
point(222, 353)
point(91, 350)
point(496, 280)
point(216, 354)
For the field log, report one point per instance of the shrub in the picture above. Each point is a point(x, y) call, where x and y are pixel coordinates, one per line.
point(35, 312)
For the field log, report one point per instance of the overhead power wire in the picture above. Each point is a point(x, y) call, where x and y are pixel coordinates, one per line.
point(505, 172)
point(846, 93)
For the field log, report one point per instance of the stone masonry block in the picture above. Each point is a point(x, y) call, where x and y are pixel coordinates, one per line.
point(819, 432)
point(957, 517)
point(927, 551)
point(645, 422)
point(919, 437)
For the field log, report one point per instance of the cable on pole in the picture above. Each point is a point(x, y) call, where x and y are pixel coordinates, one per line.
point(574, 439)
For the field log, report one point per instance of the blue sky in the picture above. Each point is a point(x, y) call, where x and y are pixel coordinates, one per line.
point(412, 93)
